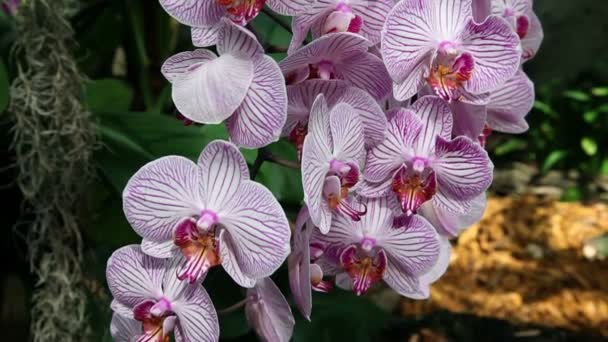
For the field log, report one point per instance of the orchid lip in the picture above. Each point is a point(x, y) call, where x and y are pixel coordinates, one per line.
point(449, 71)
point(157, 319)
point(364, 268)
point(198, 245)
point(414, 186)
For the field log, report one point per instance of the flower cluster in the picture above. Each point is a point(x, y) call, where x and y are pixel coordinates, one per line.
point(389, 108)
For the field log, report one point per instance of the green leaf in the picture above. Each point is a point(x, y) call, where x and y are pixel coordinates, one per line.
point(600, 91)
point(604, 167)
point(510, 146)
point(577, 95)
point(589, 146)
point(590, 116)
point(552, 159)
point(225, 293)
point(572, 194)
point(108, 95)
point(4, 87)
point(545, 108)
point(341, 316)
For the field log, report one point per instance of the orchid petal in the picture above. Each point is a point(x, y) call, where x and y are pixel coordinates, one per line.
point(443, 261)
point(133, 276)
point(122, 309)
point(463, 168)
point(346, 132)
point(414, 81)
point(414, 248)
point(451, 223)
point(269, 312)
point(160, 194)
point(163, 250)
point(300, 25)
point(496, 53)
point(230, 261)
point(197, 319)
point(373, 121)
point(402, 282)
point(436, 122)
point(180, 64)
point(194, 12)
point(481, 9)
point(510, 104)
point(365, 71)
point(532, 41)
point(373, 14)
point(224, 169)
point(204, 36)
point(443, 200)
point(289, 7)
point(259, 230)
point(259, 119)
point(382, 160)
point(213, 91)
point(299, 266)
point(469, 119)
point(125, 329)
point(238, 41)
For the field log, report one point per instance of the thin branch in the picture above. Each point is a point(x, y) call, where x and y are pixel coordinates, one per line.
point(257, 164)
point(232, 308)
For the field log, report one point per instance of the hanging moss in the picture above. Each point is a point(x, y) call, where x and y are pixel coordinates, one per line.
point(54, 138)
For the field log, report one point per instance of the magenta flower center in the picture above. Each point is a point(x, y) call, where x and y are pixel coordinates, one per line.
point(197, 241)
point(414, 185)
point(157, 318)
point(342, 19)
point(323, 70)
point(242, 11)
point(365, 268)
point(450, 69)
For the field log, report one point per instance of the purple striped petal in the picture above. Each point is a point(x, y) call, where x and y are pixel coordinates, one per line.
point(204, 36)
point(446, 202)
point(382, 160)
point(259, 230)
point(374, 15)
point(414, 81)
point(414, 249)
point(510, 104)
point(300, 25)
point(133, 276)
point(261, 116)
point(346, 133)
point(443, 261)
point(181, 64)
point(365, 71)
point(469, 120)
point(289, 7)
point(402, 282)
point(174, 289)
point(125, 329)
point(316, 155)
point(511, 6)
point(333, 47)
point(160, 194)
point(212, 92)
point(223, 170)
point(372, 118)
point(197, 319)
point(162, 250)
point(194, 12)
point(238, 41)
point(436, 122)
point(463, 168)
point(268, 312)
point(298, 264)
point(496, 53)
point(450, 223)
point(230, 261)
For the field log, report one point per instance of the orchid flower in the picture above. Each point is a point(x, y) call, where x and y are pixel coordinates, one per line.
point(301, 97)
point(510, 104)
point(408, 258)
point(268, 312)
point(523, 20)
point(330, 16)
point(419, 162)
point(342, 56)
point(332, 158)
point(438, 42)
point(242, 86)
point(148, 290)
point(125, 329)
point(205, 16)
point(304, 274)
point(211, 213)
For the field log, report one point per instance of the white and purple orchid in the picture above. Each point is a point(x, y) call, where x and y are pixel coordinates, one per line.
point(242, 87)
point(332, 158)
point(268, 312)
point(205, 16)
point(439, 43)
point(209, 212)
point(343, 56)
point(408, 257)
point(520, 15)
point(330, 16)
point(509, 105)
point(302, 96)
point(419, 161)
point(153, 302)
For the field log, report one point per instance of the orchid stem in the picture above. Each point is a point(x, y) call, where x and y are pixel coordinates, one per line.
point(265, 155)
point(232, 308)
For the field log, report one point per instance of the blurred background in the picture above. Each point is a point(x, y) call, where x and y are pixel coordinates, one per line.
point(534, 268)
